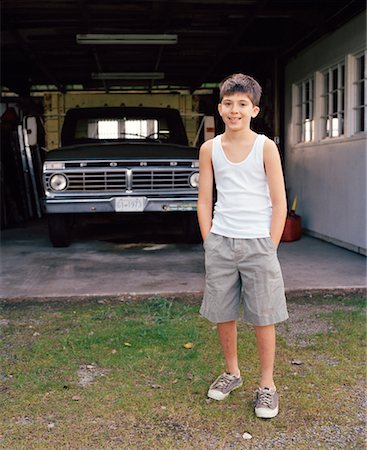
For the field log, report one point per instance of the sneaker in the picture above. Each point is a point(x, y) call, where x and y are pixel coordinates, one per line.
point(266, 403)
point(223, 385)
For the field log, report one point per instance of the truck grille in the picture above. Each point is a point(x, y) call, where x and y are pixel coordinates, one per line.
point(122, 180)
point(157, 179)
point(96, 181)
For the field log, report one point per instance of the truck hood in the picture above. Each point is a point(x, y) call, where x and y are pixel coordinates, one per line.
point(123, 150)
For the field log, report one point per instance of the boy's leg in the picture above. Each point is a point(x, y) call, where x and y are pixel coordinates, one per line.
point(264, 303)
point(265, 340)
point(266, 402)
point(230, 379)
point(227, 332)
point(221, 305)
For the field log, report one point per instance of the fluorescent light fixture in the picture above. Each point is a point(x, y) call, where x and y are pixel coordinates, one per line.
point(128, 76)
point(127, 39)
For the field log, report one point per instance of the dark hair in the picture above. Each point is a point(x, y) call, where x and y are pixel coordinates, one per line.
point(238, 82)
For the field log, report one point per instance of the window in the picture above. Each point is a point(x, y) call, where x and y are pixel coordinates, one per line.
point(107, 129)
point(360, 105)
point(333, 117)
point(95, 128)
point(140, 129)
point(305, 111)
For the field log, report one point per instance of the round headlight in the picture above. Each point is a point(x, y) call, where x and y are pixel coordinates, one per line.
point(194, 180)
point(58, 182)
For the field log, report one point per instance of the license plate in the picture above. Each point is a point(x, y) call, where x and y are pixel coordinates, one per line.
point(129, 204)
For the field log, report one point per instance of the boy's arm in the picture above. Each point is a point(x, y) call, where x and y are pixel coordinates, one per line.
point(274, 172)
point(205, 200)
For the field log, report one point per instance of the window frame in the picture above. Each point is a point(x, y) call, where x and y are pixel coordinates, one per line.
point(357, 104)
point(333, 101)
point(305, 110)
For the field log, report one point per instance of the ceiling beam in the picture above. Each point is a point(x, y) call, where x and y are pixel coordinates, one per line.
point(84, 14)
point(167, 11)
point(228, 45)
point(29, 54)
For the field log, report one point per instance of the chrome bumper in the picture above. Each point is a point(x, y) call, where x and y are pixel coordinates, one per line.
point(107, 205)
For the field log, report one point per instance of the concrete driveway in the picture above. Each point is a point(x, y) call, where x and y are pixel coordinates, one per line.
point(107, 260)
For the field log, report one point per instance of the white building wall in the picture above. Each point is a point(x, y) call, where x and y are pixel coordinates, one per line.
point(329, 175)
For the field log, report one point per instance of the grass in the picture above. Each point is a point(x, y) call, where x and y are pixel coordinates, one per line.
point(117, 375)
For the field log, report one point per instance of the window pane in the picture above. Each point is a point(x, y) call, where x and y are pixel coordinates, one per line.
point(362, 112)
point(108, 129)
point(334, 100)
point(140, 129)
point(334, 107)
point(304, 114)
point(327, 127)
point(360, 107)
point(361, 67)
point(361, 96)
point(341, 124)
point(308, 126)
point(327, 82)
point(334, 126)
point(335, 79)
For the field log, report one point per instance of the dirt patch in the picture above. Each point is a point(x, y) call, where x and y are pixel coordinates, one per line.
point(87, 373)
point(305, 321)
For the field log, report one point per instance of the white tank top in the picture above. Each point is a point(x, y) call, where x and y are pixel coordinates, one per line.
point(243, 207)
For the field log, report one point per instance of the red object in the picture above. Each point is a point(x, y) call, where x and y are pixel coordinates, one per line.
point(293, 228)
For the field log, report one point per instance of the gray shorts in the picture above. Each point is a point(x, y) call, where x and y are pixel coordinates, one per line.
point(243, 271)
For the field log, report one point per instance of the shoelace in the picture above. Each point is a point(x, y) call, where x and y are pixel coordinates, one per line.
point(223, 381)
point(264, 397)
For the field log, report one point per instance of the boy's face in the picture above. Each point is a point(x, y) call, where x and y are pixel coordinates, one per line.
point(237, 110)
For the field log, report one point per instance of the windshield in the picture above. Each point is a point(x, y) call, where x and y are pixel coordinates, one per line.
point(122, 128)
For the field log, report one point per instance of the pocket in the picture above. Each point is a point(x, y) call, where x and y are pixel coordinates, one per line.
point(207, 239)
point(271, 244)
point(212, 241)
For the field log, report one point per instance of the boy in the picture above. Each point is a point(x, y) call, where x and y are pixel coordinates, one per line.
point(241, 238)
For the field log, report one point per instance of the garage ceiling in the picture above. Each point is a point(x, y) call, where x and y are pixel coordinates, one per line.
point(214, 38)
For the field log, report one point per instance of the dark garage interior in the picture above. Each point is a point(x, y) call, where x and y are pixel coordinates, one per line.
point(45, 48)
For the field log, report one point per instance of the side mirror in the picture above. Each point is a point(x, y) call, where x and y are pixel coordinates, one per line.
point(30, 125)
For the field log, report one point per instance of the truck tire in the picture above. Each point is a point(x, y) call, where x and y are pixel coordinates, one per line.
point(60, 228)
point(191, 228)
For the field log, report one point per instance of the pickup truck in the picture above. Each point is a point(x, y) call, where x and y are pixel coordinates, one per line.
point(120, 160)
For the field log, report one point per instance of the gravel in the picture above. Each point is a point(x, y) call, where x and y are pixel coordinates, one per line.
point(305, 321)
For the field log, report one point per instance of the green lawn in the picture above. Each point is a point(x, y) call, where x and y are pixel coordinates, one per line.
point(112, 374)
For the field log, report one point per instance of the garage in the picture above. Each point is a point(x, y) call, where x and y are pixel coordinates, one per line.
point(104, 107)
point(61, 56)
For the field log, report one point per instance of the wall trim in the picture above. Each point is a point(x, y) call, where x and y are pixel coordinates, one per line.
point(346, 245)
point(361, 136)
